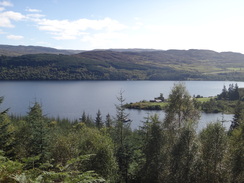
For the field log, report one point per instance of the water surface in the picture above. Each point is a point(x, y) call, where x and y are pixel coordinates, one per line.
point(68, 99)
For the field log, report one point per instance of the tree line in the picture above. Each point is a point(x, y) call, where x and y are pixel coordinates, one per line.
point(34, 148)
point(226, 101)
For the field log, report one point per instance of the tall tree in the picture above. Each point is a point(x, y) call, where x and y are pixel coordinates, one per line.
point(6, 133)
point(237, 154)
point(224, 94)
point(181, 109)
point(98, 120)
point(122, 124)
point(152, 149)
point(184, 157)
point(122, 130)
point(38, 132)
point(213, 141)
point(108, 122)
point(238, 117)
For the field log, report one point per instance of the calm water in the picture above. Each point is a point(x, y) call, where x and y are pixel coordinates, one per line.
point(68, 99)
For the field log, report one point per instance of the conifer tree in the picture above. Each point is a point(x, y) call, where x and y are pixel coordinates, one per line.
point(38, 139)
point(122, 129)
point(238, 117)
point(184, 157)
point(213, 141)
point(153, 147)
point(98, 120)
point(6, 133)
point(224, 94)
point(236, 150)
point(108, 121)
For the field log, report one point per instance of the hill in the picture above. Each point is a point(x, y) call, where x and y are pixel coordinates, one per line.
point(9, 50)
point(119, 64)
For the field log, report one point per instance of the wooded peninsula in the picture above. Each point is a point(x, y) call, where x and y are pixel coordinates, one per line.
point(225, 102)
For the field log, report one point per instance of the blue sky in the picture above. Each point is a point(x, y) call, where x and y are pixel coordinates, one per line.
point(101, 24)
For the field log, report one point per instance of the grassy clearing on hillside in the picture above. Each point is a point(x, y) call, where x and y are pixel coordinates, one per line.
point(204, 99)
point(145, 105)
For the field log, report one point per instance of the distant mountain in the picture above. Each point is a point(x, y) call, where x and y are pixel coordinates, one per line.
point(119, 64)
point(9, 50)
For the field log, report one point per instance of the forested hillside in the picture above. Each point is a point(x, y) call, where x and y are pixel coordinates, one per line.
point(9, 50)
point(131, 64)
point(35, 148)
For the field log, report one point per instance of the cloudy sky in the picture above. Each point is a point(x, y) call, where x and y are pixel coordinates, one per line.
point(100, 24)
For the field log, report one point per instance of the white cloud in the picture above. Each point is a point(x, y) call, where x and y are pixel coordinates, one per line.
point(15, 37)
point(34, 16)
point(7, 16)
point(65, 29)
point(33, 10)
point(106, 40)
point(5, 3)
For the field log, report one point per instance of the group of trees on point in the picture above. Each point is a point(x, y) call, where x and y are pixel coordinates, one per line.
point(231, 94)
point(35, 148)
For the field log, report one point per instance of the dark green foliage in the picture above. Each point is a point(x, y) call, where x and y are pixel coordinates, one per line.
point(238, 118)
point(213, 141)
point(38, 138)
point(224, 102)
point(98, 120)
point(123, 65)
point(108, 122)
point(34, 148)
point(7, 140)
point(153, 143)
point(120, 135)
point(184, 159)
point(214, 106)
point(237, 154)
point(231, 94)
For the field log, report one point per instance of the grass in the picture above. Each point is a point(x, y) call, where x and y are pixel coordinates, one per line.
point(204, 99)
point(235, 68)
point(146, 105)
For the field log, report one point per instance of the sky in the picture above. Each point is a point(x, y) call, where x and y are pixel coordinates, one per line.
point(102, 24)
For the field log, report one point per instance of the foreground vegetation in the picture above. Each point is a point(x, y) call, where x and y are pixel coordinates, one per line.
point(38, 149)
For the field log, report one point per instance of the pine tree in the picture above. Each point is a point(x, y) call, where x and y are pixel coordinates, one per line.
point(153, 144)
point(213, 141)
point(238, 117)
point(236, 150)
point(83, 117)
point(6, 133)
point(184, 157)
point(108, 121)
point(98, 120)
point(38, 139)
point(122, 128)
point(224, 94)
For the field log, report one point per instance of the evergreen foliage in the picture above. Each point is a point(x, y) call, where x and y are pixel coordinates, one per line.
point(34, 148)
